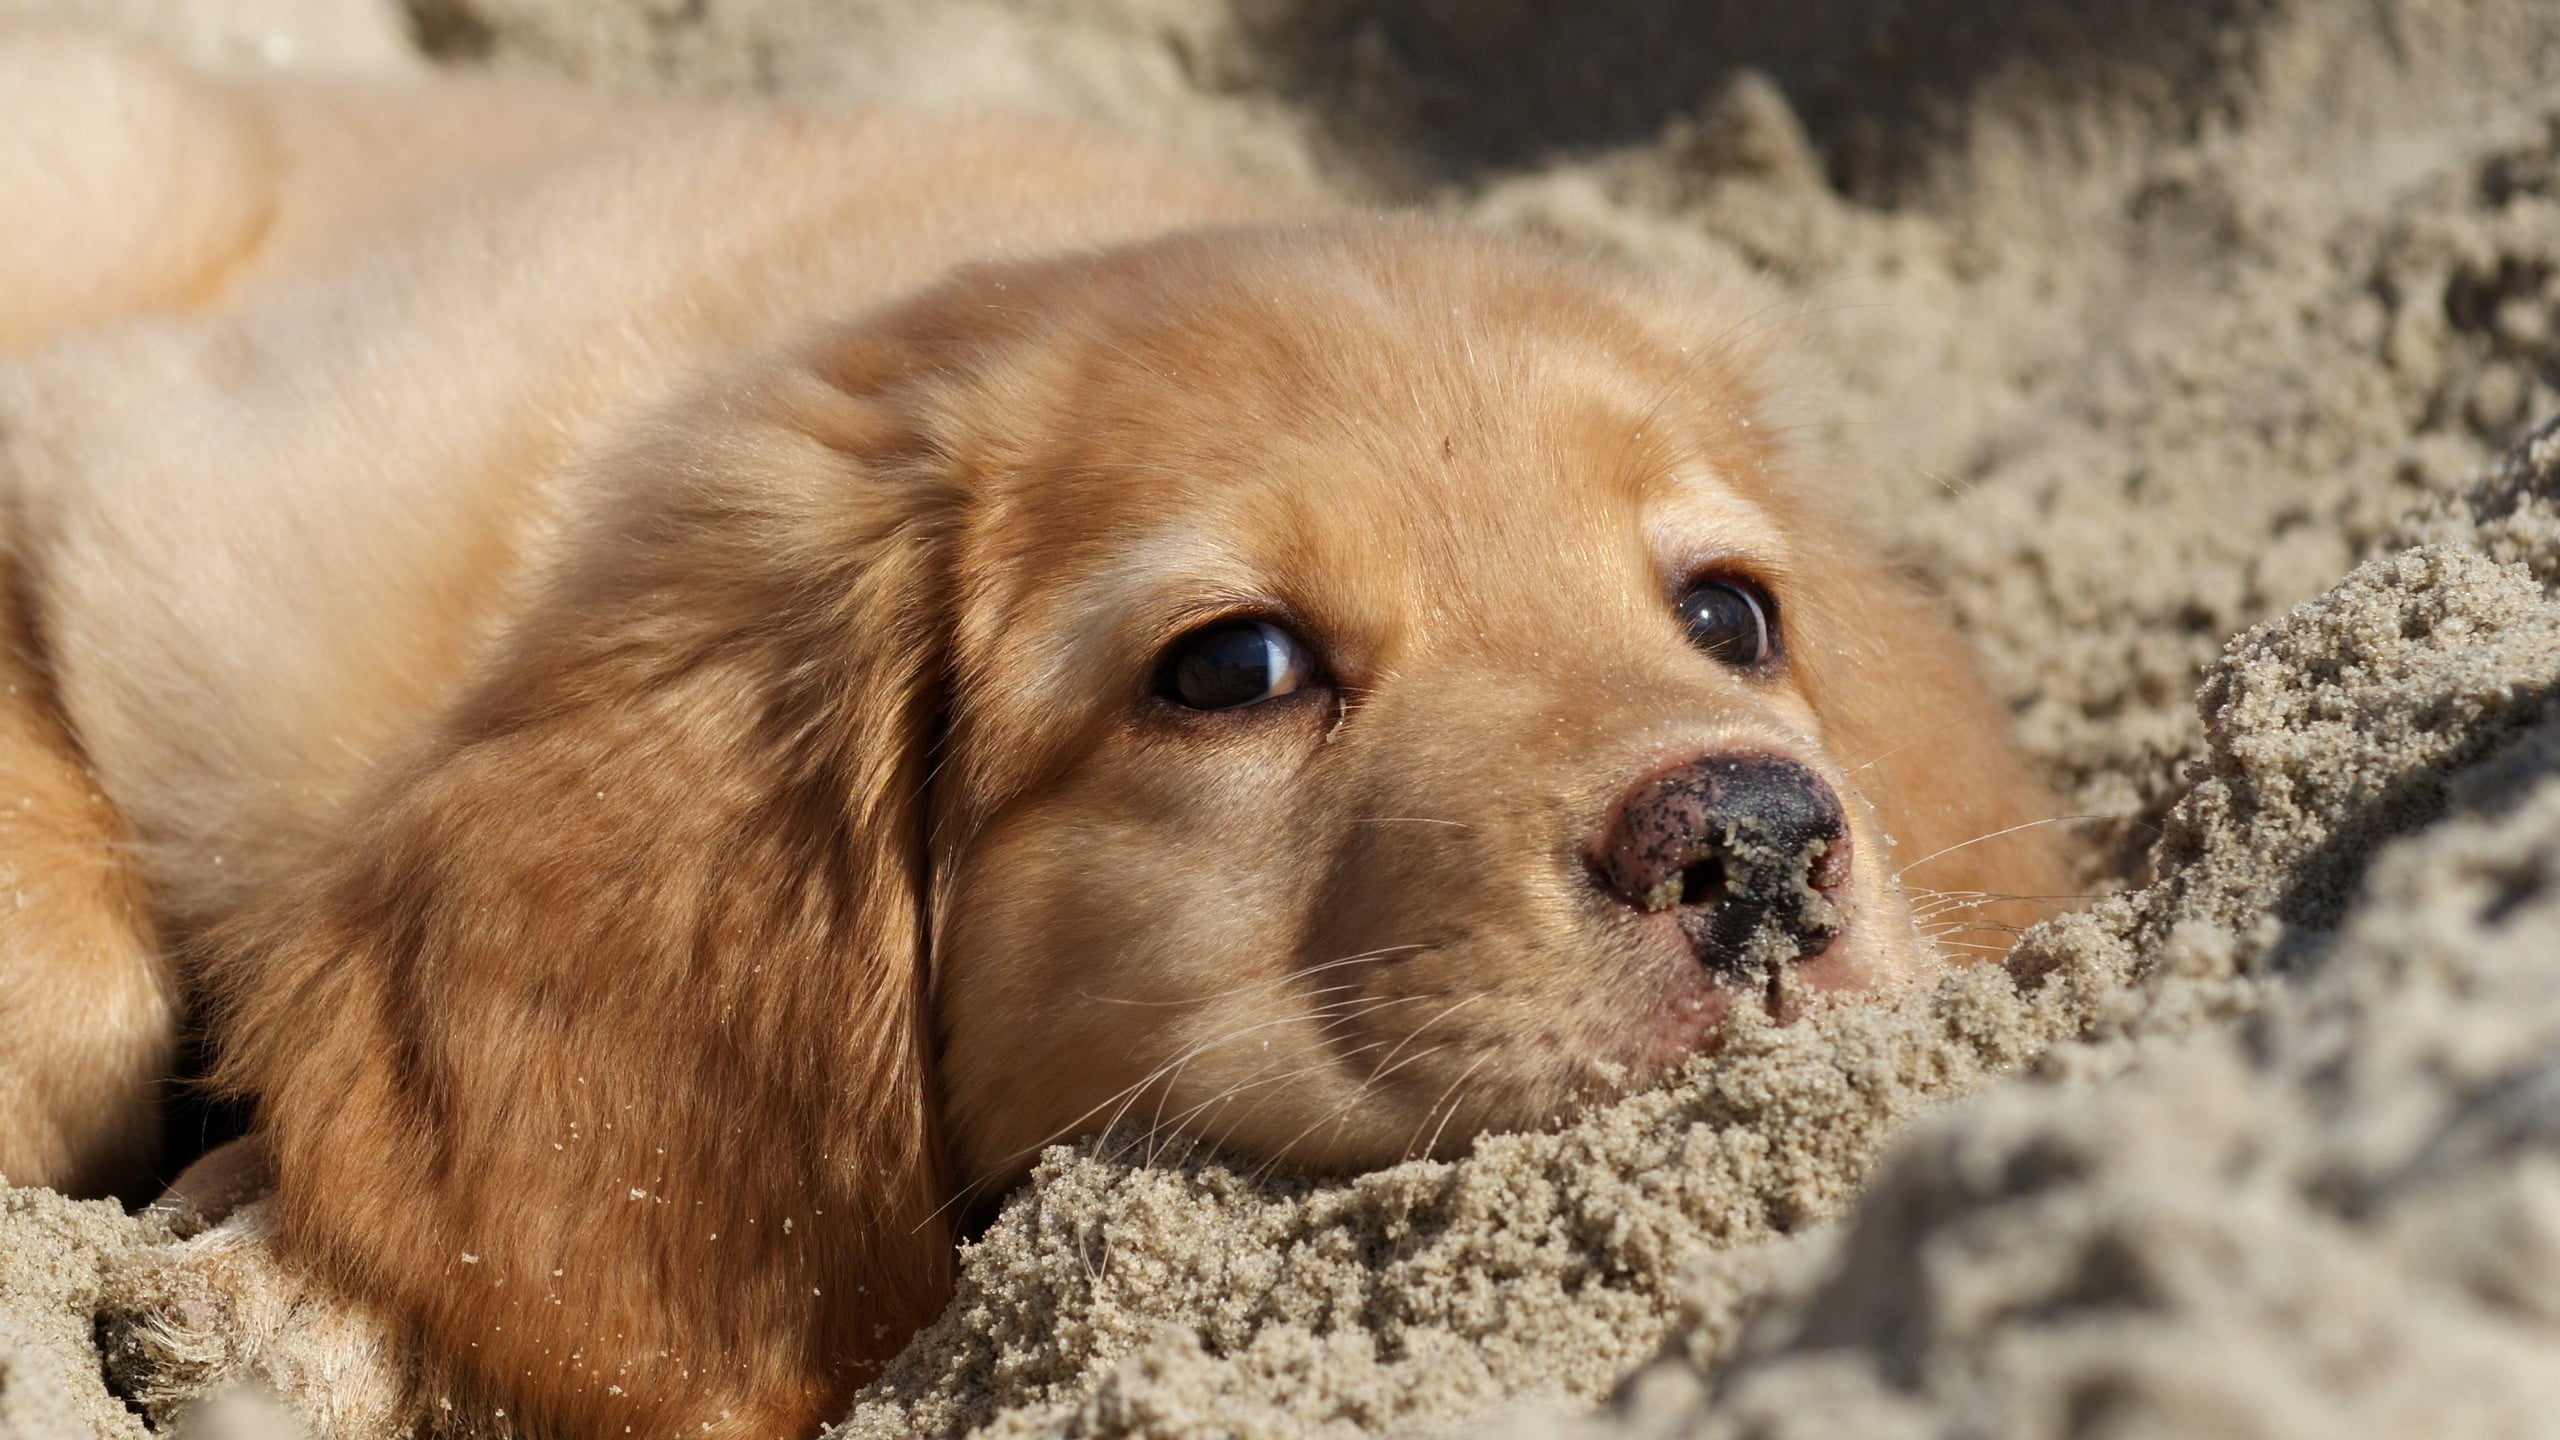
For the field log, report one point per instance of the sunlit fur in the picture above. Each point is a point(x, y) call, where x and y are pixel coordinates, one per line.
point(629, 682)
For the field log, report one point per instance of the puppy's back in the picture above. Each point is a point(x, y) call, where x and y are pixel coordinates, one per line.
point(267, 544)
point(129, 184)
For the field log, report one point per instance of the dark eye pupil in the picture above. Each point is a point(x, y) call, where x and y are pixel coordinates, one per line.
point(1234, 664)
point(1727, 621)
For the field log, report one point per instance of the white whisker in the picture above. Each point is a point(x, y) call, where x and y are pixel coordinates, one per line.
point(1996, 834)
point(1359, 1092)
point(1454, 1100)
point(1276, 982)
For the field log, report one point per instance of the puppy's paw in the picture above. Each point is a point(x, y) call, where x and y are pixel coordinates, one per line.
point(221, 1323)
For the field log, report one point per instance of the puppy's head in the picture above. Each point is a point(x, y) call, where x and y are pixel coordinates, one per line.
point(1401, 685)
point(1329, 690)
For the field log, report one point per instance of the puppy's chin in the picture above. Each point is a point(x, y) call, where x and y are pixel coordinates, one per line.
point(1864, 959)
point(1697, 1008)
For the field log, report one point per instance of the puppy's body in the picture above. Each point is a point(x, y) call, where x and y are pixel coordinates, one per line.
point(646, 702)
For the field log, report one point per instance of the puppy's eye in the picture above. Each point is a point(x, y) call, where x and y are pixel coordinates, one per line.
point(1729, 619)
point(1234, 663)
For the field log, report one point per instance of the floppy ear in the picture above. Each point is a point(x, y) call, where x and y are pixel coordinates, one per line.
point(599, 1051)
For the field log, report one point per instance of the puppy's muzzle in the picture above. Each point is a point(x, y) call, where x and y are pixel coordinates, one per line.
point(1748, 851)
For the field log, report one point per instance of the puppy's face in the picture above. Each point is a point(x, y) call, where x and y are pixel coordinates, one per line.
point(1398, 693)
point(1330, 691)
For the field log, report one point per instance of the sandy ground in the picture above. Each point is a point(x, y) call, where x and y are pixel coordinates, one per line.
point(2140, 326)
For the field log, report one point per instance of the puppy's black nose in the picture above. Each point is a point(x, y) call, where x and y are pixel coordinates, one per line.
point(1747, 849)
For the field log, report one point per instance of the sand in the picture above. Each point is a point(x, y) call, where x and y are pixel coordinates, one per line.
point(2179, 342)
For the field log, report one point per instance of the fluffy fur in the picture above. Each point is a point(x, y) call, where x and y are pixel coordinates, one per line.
point(627, 680)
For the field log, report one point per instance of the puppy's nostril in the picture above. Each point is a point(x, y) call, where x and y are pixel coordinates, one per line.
point(1747, 849)
point(1702, 883)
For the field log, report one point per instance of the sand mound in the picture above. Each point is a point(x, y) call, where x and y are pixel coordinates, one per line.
point(2143, 323)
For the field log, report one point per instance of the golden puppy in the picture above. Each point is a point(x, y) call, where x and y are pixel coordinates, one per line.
point(682, 685)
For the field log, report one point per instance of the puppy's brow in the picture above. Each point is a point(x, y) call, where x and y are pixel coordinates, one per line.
point(1165, 579)
point(1700, 516)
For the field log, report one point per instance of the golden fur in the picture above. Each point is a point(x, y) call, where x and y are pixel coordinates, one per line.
point(624, 676)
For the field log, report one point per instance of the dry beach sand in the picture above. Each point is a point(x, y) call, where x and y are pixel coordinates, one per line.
point(2180, 342)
